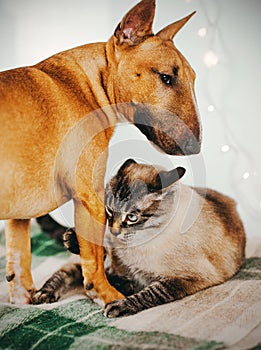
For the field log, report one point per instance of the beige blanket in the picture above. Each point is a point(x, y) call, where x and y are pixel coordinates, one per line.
point(227, 316)
point(229, 313)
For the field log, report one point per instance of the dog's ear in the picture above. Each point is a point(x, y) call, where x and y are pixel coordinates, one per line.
point(171, 30)
point(137, 23)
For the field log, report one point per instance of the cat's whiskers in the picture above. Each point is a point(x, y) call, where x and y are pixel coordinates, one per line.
point(127, 236)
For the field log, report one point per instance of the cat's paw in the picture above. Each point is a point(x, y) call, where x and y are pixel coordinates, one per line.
point(119, 308)
point(70, 241)
point(43, 297)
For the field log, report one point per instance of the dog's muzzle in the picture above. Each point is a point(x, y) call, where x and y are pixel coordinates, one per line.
point(168, 132)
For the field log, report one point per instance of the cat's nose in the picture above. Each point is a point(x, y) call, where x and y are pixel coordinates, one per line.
point(115, 231)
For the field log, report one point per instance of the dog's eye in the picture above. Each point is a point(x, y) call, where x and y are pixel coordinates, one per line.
point(166, 79)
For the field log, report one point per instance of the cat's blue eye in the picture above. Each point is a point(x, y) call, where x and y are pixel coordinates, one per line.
point(132, 218)
point(108, 211)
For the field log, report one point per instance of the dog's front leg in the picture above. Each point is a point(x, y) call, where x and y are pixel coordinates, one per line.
point(90, 237)
point(18, 266)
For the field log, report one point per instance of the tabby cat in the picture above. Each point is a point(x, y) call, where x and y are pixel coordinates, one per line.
point(164, 240)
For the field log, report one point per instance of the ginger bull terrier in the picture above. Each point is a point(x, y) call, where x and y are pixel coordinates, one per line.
point(57, 118)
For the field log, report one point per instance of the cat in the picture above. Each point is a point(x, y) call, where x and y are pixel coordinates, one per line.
point(158, 247)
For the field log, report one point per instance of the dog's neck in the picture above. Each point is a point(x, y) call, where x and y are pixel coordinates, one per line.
point(123, 105)
point(92, 58)
point(99, 63)
point(85, 70)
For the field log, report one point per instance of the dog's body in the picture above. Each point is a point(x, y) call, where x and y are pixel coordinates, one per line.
point(57, 119)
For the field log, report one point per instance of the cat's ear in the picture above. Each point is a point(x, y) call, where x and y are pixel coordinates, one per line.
point(126, 164)
point(166, 178)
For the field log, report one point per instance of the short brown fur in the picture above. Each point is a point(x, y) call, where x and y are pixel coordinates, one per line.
point(44, 105)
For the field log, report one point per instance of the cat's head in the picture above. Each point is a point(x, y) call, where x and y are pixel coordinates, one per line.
point(137, 197)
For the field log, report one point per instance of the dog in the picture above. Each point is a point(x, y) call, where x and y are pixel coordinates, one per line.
point(57, 118)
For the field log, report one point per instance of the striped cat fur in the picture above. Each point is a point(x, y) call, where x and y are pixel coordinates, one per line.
point(164, 240)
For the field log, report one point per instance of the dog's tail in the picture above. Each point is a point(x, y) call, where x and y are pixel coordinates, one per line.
point(51, 227)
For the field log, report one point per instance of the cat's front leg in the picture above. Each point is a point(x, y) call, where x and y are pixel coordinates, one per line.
point(157, 293)
point(59, 284)
point(119, 281)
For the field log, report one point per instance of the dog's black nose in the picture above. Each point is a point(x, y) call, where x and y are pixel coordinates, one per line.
point(191, 146)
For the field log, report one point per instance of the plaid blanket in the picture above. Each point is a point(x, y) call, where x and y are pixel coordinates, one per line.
point(223, 317)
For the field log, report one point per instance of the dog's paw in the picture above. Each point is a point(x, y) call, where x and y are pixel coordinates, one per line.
point(93, 295)
point(119, 308)
point(43, 297)
point(22, 296)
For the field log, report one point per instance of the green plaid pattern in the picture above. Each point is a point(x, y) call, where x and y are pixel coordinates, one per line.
point(77, 323)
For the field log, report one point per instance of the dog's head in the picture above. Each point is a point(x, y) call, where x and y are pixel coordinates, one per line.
point(156, 81)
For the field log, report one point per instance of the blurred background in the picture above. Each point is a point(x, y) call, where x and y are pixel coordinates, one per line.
point(221, 42)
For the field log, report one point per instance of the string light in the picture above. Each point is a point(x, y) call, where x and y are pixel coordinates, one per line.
point(211, 108)
point(225, 148)
point(202, 32)
point(244, 176)
point(210, 59)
